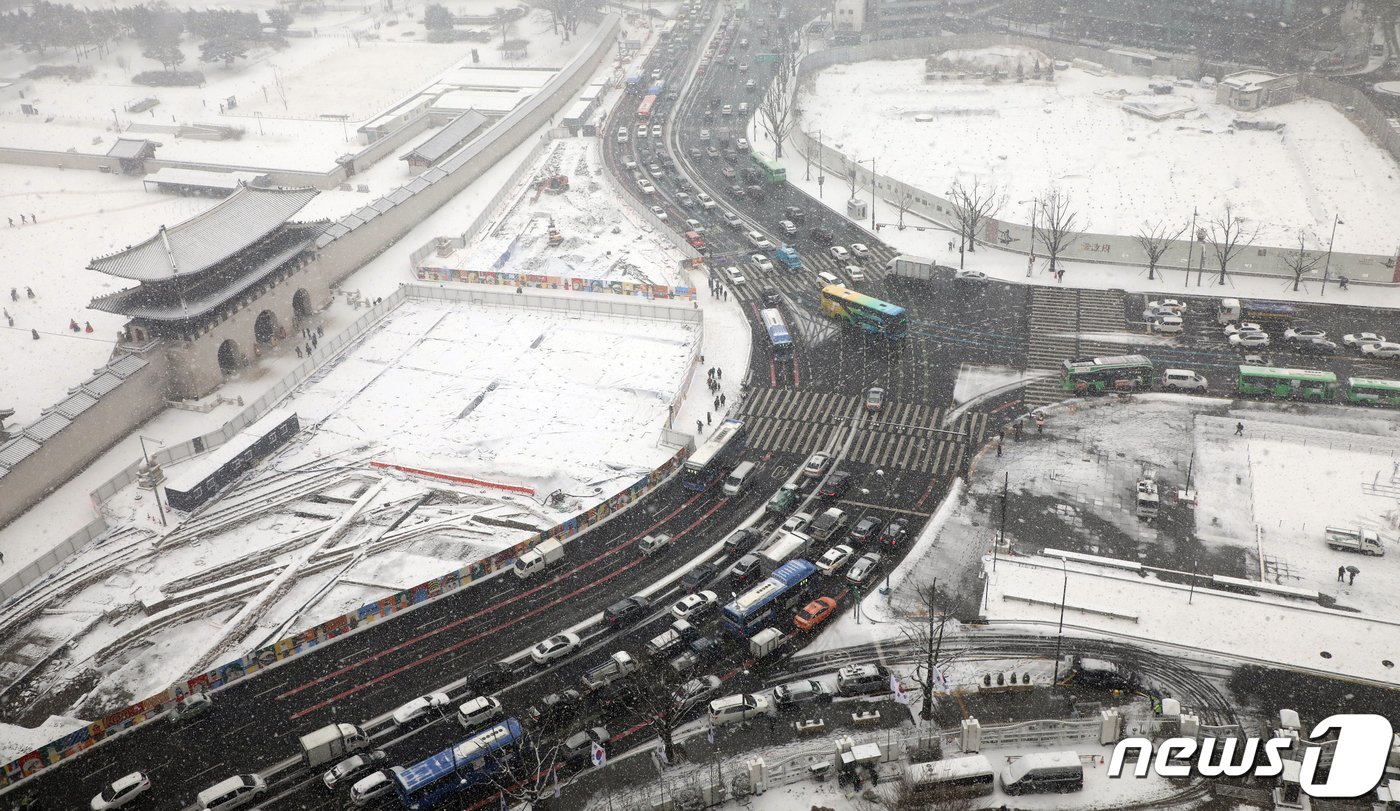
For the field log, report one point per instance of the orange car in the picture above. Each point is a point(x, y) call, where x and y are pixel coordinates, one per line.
point(815, 613)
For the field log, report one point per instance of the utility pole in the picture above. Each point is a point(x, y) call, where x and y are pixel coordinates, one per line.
point(1327, 267)
point(1060, 634)
point(1001, 535)
point(1191, 246)
point(872, 195)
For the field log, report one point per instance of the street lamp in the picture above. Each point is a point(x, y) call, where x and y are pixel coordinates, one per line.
point(155, 485)
point(1327, 267)
point(1060, 634)
point(1030, 262)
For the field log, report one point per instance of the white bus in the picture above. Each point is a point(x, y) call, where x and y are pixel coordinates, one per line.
point(1043, 772)
point(968, 776)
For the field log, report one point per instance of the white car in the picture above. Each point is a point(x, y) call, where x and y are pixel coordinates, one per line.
point(762, 262)
point(1168, 323)
point(121, 791)
point(1249, 339)
point(726, 109)
point(817, 464)
point(1243, 326)
point(839, 253)
point(1381, 349)
point(970, 276)
point(1158, 312)
point(191, 706)
point(1303, 334)
point(706, 201)
point(555, 647)
point(859, 251)
point(742, 143)
point(659, 212)
point(856, 273)
point(656, 130)
point(797, 522)
point(375, 785)
point(732, 219)
point(734, 275)
point(419, 708)
point(646, 186)
point(834, 558)
point(641, 130)
point(694, 225)
point(1167, 304)
point(655, 171)
point(622, 135)
point(693, 605)
point(1358, 339)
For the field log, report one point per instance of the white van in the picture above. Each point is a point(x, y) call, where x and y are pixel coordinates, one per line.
point(1182, 380)
point(1043, 772)
point(234, 792)
point(829, 278)
point(478, 711)
point(734, 485)
point(736, 708)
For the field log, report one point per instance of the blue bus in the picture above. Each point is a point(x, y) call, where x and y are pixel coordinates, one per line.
point(453, 770)
point(716, 456)
point(770, 600)
point(777, 330)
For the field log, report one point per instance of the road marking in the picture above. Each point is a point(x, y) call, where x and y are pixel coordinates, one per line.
point(920, 501)
point(886, 509)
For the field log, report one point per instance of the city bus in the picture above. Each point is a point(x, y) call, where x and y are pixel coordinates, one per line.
point(716, 456)
point(771, 601)
point(777, 331)
point(969, 776)
point(1118, 372)
point(644, 111)
point(431, 782)
point(772, 171)
point(1304, 384)
point(867, 312)
point(1372, 391)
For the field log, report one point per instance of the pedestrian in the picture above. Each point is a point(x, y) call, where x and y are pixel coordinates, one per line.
point(1342, 282)
point(315, 341)
point(34, 333)
point(1341, 573)
point(87, 327)
point(719, 373)
point(12, 222)
point(34, 218)
point(298, 349)
point(14, 294)
point(950, 246)
point(2, 558)
point(29, 291)
point(1018, 430)
point(998, 447)
point(23, 220)
point(73, 325)
point(717, 404)
point(702, 358)
point(721, 399)
point(1352, 574)
point(699, 427)
point(1239, 429)
point(712, 371)
point(320, 332)
point(1040, 425)
point(308, 350)
point(10, 318)
point(708, 421)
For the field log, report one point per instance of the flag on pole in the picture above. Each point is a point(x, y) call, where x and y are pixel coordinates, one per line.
point(556, 783)
point(710, 733)
point(940, 681)
point(897, 688)
point(599, 755)
point(503, 801)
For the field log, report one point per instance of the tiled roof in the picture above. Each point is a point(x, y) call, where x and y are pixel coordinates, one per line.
point(208, 239)
point(448, 138)
point(128, 148)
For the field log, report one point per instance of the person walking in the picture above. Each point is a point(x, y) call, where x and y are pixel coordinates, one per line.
point(29, 291)
point(998, 447)
point(34, 333)
point(1352, 577)
point(722, 399)
point(2, 558)
point(34, 218)
point(23, 220)
point(717, 404)
point(1341, 573)
point(699, 427)
point(14, 294)
point(12, 221)
point(1239, 429)
point(719, 373)
point(708, 421)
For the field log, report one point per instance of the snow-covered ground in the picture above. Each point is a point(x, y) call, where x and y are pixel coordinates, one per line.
point(1120, 169)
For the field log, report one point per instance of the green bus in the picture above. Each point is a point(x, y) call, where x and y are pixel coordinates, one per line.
point(1117, 372)
point(773, 172)
point(1372, 391)
point(1304, 384)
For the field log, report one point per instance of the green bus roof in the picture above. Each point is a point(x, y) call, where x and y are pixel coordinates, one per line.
point(1274, 373)
point(1374, 383)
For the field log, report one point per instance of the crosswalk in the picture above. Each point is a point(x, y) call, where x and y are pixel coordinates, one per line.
point(1059, 317)
point(904, 436)
point(803, 283)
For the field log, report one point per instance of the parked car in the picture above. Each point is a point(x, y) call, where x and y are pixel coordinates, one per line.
point(1356, 340)
point(121, 791)
point(694, 605)
point(866, 530)
point(969, 276)
point(874, 399)
point(834, 558)
point(1249, 339)
point(863, 568)
point(580, 744)
point(420, 708)
point(762, 262)
point(814, 613)
point(556, 647)
point(894, 533)
point(839, 253)
point(788, 696)
point(349, 769)
point(1304, 334)
point(817, 464)
point(1381, 350)
point(1152, 313)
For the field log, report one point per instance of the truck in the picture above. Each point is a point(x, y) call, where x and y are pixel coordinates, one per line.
point(634, 81)
point(536, 559)
point(1365, 541)
point(913, 267)
point(766, 642)
point(332, 742)
point(1148, 499)
point(788, 258)
point(619, 665)
point(1233, 310)
point(790, 545)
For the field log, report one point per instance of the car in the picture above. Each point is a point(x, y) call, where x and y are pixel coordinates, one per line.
point(1168, 324)
point(859, 251)
point(695, 152)
point(866, 529)
point(641, 130)
point(652, 544)
point(734, 275)
point(1183, 380)
point(794, 213)
point(1303, 334)
point(694, 605)
point(685, 200)
point(834, 558)
point(771, 297)
point(121, 791)
point(1172, 304)
point(1355, 340)
point(556, 647)
point(555, 706)
point(1249, 339)
point(894, 533)
point(374, 786)
point(704, 135)
point(191, 706)
point(711, 152)
point(874, 399)
point(1234, 328)
point(1255, 360)
point(1381, 349)
point(855, 272)
point(836, 485)
point(743, 67)
point(580, 744)
point(732, 219)
point(823, 235)
point(1152, 313)
point(419, 708)
point(695, 691)
point(728, 171)
point(630, 165)
point(1314, 346)
point(626, 611)
point(817, 464)
point(706, 201)
point(352, 767)
point(655, 171)
point(864, 568)
point(694, 225)
point(737, 190)
point(742, 144)
point(622, 135)
point(646, 186)
point(814, 613)
point(727, 109)
point(491, 677)
point(784, 500)
point(788, 227)
point(966, 275)
point(743, 43)
point(790, 695)
point(839, 253)
point(659, 212)
point(697, 577)
point(762, 262)
point(656, 130)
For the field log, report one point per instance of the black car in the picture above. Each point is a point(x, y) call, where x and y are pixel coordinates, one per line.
point(823, 235)
point(492, 677)
point(865, 530)
point(556, 707)
point(740, 540)
point(736, 190)
point(625, 611)
point(795, 214)
point(895, 533)
point(756, 190)
point(837, 485)
point(1314, 346)
point(696, 578)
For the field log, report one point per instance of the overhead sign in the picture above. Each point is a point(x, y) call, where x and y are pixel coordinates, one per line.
point(767, 57)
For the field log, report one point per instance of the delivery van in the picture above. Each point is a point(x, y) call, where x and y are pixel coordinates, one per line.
point(734, 485)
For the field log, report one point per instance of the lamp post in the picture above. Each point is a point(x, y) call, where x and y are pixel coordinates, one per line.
point(1191, 246)
point(155, 486)
point(1030, 262)
point(1060, 634)
point(1327, 266)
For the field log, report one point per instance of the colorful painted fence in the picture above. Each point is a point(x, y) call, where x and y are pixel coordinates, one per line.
point(616, 287)
point(79, 740)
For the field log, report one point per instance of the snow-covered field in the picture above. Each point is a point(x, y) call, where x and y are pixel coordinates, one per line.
point(1120, 169)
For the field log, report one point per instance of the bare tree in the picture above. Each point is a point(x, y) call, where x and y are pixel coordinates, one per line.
point(1302, 261)
point(526, 773)
point(974, 205)
point(1155, 241)
point(851, 169)
point(1057, 226)
point(1229, 236)
point(923, 627)
point(903, 198)
point(655, 694)
point(900, 796)
point(777, 111)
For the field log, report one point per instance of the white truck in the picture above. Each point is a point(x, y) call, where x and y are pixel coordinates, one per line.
point(913, 267)
point(332, 742)
point(1365, 541)
point(618, 665)
point(766, 642)
point(536, 559)
point(788, 546)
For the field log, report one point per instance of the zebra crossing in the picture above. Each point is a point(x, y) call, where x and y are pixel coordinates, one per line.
point(1058, 319)
point(904, 436)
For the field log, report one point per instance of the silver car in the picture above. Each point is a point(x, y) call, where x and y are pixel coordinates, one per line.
point(863, 568)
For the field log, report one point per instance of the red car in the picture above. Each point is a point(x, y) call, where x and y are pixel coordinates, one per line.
point(815, 613)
